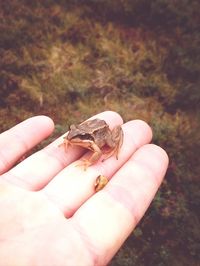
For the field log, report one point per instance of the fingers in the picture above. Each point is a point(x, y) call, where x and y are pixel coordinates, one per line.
point(106, 219)
point(37, 170)
point(15, 142)
point(73, 186)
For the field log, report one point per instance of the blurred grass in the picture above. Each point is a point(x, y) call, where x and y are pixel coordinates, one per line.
point(68, 61)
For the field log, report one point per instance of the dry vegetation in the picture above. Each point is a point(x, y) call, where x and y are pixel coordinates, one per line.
point(70, 61)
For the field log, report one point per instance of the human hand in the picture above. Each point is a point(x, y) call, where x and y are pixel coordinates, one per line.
point(50, 213)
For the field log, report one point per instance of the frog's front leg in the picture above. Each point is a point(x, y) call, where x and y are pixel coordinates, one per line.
point(65, 144)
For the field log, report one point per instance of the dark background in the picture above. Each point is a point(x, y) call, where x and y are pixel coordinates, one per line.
point(73, 59)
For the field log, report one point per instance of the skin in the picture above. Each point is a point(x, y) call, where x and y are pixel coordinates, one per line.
point(50, 214)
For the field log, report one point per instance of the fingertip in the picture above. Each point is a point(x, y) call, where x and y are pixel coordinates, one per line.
point(40, 123)
point(109, 115)
point(153, 158)
point(143, 124)
point(138, 131)
point(19, 139)
point(159, 153)
point(43, 120)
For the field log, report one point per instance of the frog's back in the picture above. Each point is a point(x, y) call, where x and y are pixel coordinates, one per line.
point(92, 126)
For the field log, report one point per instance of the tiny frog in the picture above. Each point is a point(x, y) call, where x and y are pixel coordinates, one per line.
point(93, 135)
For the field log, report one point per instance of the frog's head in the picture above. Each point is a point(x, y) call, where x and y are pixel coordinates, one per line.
point(77, 134)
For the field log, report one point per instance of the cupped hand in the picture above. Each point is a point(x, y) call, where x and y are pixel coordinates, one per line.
point(50, 213)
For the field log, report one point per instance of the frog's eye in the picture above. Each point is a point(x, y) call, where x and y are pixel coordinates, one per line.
point(85, 137)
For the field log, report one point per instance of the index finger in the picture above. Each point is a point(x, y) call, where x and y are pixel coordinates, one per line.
point(106, 219)
point(37, 170)
point(16, 141)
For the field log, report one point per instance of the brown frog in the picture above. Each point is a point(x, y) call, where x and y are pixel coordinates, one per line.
point(93, 135)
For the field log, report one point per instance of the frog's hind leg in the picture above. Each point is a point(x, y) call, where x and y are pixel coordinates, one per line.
point(120, 134)
point(115, 143)
point(108, 154)
point(86, 162)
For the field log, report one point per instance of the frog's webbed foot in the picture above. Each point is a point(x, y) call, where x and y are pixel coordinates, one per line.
point(84, 163)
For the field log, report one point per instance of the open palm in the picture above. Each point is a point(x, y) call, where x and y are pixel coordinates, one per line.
point(50, 213)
